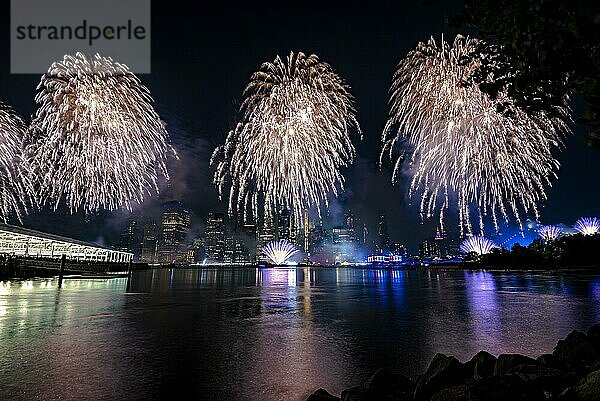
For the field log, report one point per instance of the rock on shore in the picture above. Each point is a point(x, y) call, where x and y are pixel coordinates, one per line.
point(570, 373)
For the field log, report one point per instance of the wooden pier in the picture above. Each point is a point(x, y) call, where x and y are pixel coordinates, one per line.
point(21, 267)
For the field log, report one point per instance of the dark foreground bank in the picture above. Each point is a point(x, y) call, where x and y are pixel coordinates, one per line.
point(571, 372)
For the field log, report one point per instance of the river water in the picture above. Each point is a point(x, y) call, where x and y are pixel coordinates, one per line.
point(269, 334)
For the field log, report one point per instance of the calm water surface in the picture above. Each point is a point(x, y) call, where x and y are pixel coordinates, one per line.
point(250, 334)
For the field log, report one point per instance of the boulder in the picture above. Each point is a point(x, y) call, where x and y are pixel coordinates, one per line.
point(358, 393)
point(389, 384)
point(588, 388)
point(550, 361)
point(568, 395)
point(501, 388)
point(481, 365)
point(507, 362)
point(593, 336)
point(575, 351)
point(455, 393)
point(443, 372)
point(543, 378)
point(322, 395)
point(595, 365)
point(380, 378)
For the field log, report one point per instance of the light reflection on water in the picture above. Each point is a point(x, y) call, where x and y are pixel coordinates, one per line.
point(269, 334)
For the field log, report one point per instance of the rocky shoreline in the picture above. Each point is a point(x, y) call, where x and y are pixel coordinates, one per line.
point(570, 373)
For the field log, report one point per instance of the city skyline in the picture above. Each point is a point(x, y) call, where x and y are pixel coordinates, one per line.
point(227, 240)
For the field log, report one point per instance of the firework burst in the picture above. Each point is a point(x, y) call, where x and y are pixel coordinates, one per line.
point(550, 233)
point(15, 187)
point(479, 245)
point(278, 252)
point(291, 141)
point(95, 139)
point(587, 225)
point(484, 155)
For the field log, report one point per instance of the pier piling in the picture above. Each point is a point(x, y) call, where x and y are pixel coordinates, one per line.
point(63, 261)
point(129, 268)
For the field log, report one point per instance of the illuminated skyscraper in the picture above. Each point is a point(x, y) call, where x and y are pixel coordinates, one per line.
point(266, 233)
point(246, 244)
point(285, 228)
point(214, 237)
point(344, 244)
point(398, 249)
point(346, 232)
point(306, 232)
point(131, 238)
point(175, 226)
point(349, 220)
point(149, 243)
point(230, 245)
point(383, 237)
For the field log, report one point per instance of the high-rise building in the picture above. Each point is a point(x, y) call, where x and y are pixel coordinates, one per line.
point(246, 244)
point(149, 243)
point(306, 232)
point(383, 237)
point(285, 229)
point(429, 249)
point(349, 220)
point(266, 233)
point(175, 226)
point(196, 251)
point(398, 249)
point(241, 252)
point(344, 243)
point(452, 247)
point(230, 242)
point(214, 237)
point(317, 237)
point(343, 235)
point(321, 246)
point(346, 232)
point(447, 248)
point(131, 238)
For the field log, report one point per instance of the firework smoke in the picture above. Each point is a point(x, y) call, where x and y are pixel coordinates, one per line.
point(485, 155)
point(291, 141)
point(95, 139)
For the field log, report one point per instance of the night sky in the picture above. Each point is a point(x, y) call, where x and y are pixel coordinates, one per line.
point(203, 56)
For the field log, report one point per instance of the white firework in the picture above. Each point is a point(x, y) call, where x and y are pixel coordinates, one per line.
point(292, 139)
point(587, 225)
point(550, 233)
point(278, 252)
point(95, 140)
point(477, 244)
point(15, 187)
point(485, 156)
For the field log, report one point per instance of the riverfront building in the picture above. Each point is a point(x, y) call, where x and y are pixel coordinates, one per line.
point(214, 237)
point(175, 226)
point(19, 241)
point(131, 238)
point(149, 243)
